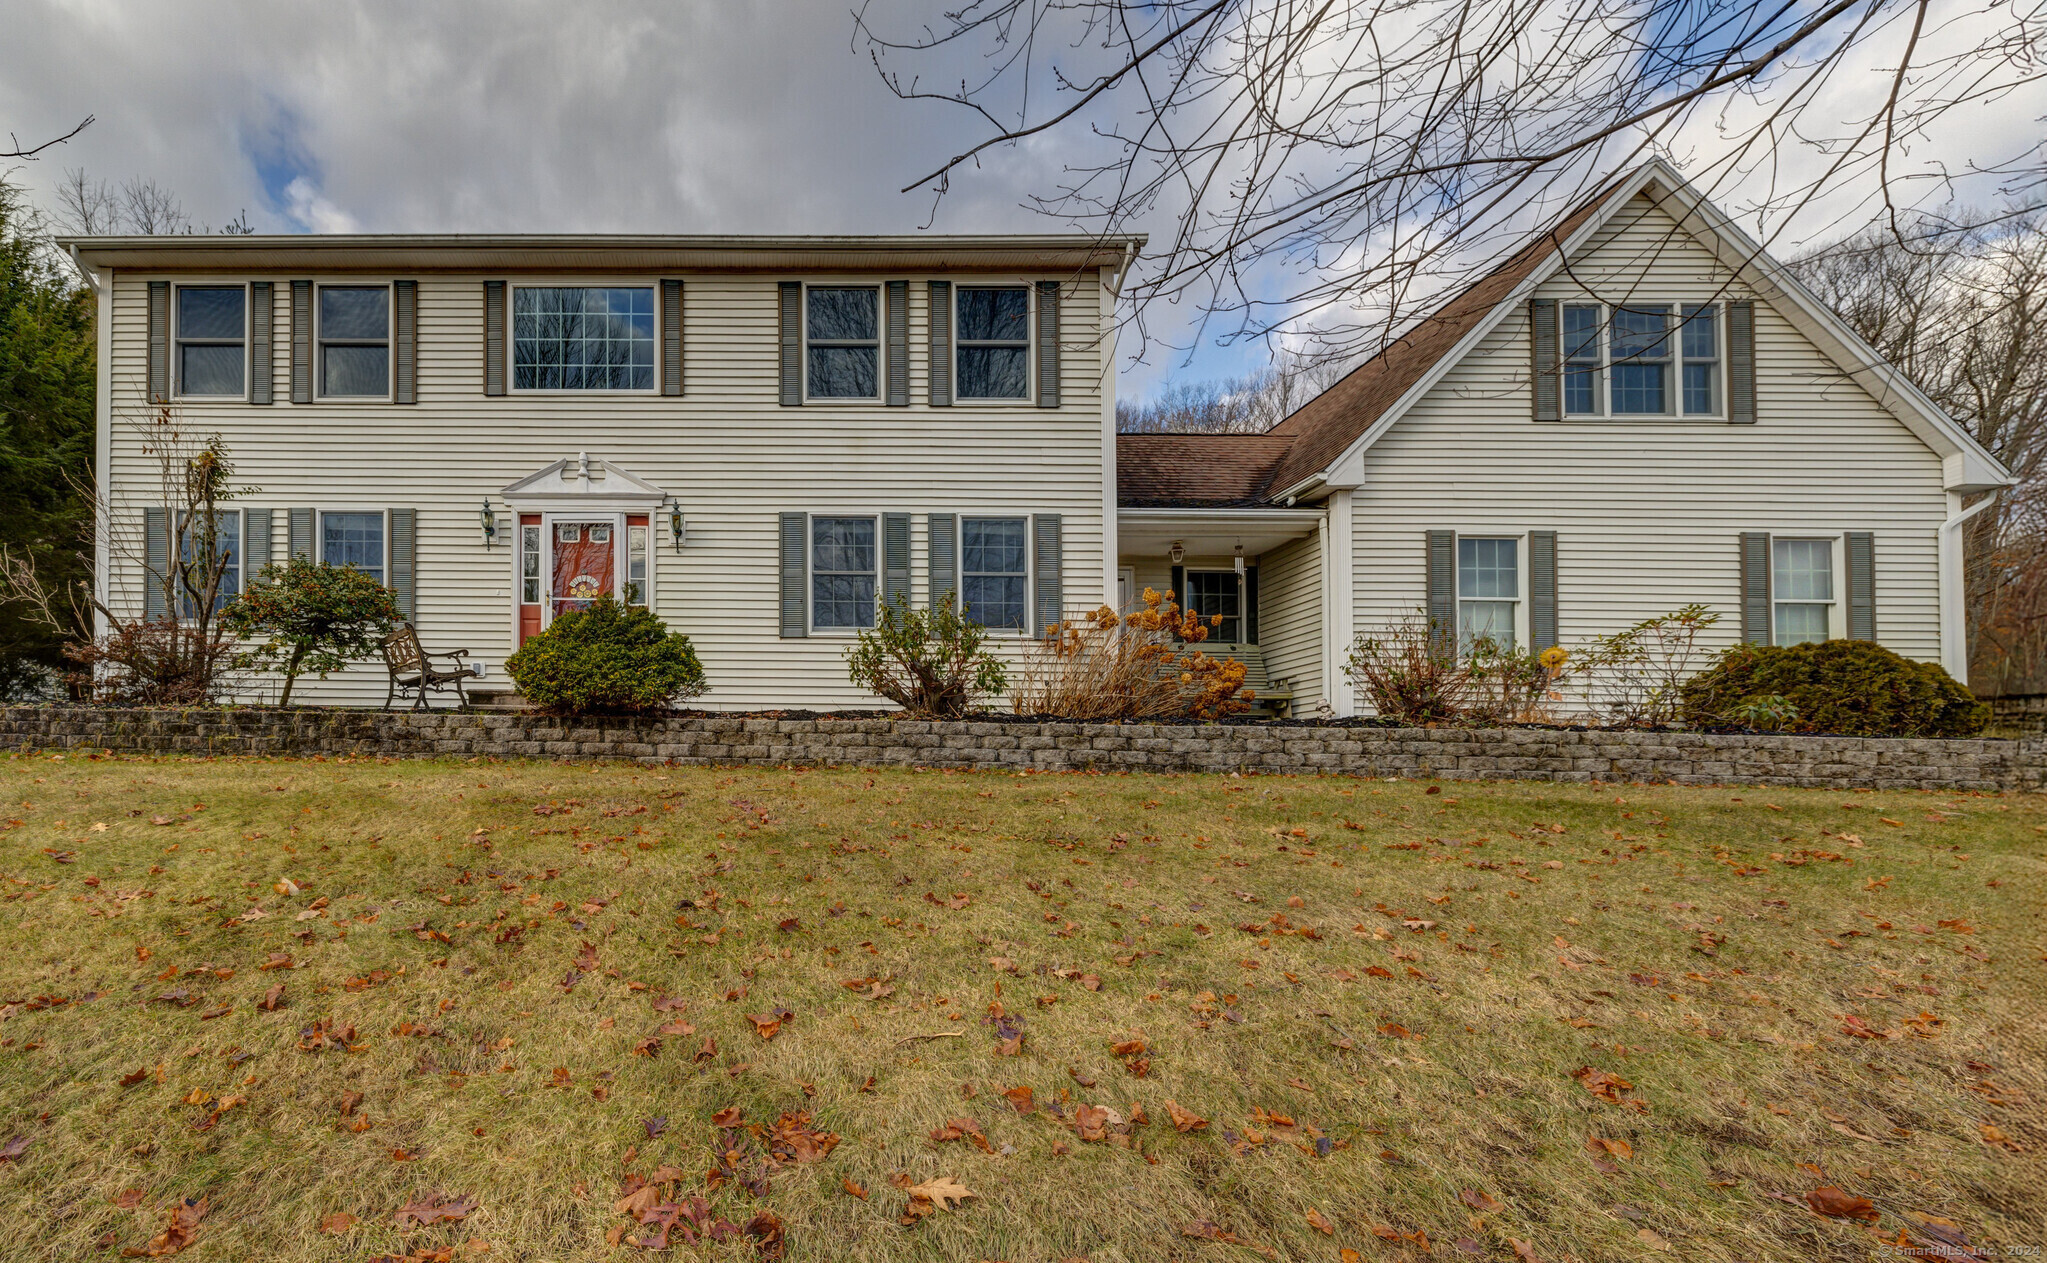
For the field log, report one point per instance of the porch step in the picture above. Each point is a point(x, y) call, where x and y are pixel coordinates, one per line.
point(1269, 696)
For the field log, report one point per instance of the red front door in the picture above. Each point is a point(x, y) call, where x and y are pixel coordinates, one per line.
point(585, 564)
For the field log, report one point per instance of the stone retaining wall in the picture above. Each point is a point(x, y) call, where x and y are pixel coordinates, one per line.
point(1458, 754)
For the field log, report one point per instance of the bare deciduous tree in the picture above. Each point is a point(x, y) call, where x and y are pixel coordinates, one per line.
point(1250, 404)
point(1960, 305)
point(1331, 168)
point(141, 206)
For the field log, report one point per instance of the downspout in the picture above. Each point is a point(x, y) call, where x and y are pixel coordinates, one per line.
point(1954, 614)
point(91, 281)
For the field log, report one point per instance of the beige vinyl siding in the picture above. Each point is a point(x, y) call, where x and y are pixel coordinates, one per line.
point(726, 449)
point(1648, 513)
point(1290, 618)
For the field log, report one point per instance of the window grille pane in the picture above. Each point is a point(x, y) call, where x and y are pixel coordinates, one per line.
point(1699, 382)
point(993, 571)
point(1804, 569)
point(1581, 390)
point(1213, 592)
point(1640, 388)
point(994, 315)
point(210, 370)
point(994, 600)
point(844, 372)
point(1699, 339)
point(1800, 624)
point(568, 338)
point(842, 571)
point(355, 312)
point(1485, 620)
point(1488, 568)
point(355, 370)
point(993, 372)
point(846, 315)
point(354, 539)
point(1581, 333)
point(210, 312)
point(842, 601)
point(1640, 334)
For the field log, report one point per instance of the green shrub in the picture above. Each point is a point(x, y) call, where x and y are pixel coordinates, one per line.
point(310, 616)
point(1854, 688)
point(608, 659)
point(927, 661)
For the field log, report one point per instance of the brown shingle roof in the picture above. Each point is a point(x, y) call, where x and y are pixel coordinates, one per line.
point(1196, 470)
point(1323, 427)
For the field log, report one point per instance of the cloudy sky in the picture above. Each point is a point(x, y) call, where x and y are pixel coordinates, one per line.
point(458, 115)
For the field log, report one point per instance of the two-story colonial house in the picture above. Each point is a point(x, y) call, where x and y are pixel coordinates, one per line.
point(759, 437)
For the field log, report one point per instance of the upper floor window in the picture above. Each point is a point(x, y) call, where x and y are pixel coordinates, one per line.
point(212, 326)
point(992, 347)
point(842, 327)
point(354, 539)
point(355, 341)
point(1642, 360)
point(582, 338)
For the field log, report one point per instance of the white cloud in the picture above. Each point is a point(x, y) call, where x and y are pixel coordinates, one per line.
point(312, 210)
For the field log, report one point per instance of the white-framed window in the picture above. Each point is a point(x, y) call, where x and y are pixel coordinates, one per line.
point(582, 337)
point(211, 333)
point(354, 538)
point(529, 564)
point(1213, 592)
point(843, 555)
point(227, 532)
point(992, 342)
point(353, 357)
point(1643, 360)
point(635, 565)
point(1801, 590)
point(1488, 590)
point(995, 571)
point(842, 341)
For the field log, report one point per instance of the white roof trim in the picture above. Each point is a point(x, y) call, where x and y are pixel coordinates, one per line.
point(581, 479)
point(1966, 466)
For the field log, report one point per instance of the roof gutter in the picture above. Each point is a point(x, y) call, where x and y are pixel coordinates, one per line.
point(91, 281)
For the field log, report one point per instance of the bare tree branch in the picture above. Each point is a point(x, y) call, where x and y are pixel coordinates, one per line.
point(30, 154)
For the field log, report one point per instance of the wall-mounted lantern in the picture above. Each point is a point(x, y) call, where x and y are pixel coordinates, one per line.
point(678, 529)
point(1177, 553)
point(489, 521)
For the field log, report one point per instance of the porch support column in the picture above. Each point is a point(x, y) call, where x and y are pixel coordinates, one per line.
point(1339, 614)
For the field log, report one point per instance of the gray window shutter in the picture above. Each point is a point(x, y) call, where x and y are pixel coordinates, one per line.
point(944, 559)
point(1741, 363)
point(895, 557)
point(792, 343)
point(941, 344)
point(1755, 587)
point(255, 545)
point(159, 341)
point(1048, 344)
point(302, 342)
point(795, 591)
point(262, 315)
point(1542, 590)
point(1861, 549)
point(671, 338)
point(156, 561)
point(1442, 587)
point(493, 337)
point(404, 547)
point(405, 341)
point(898, 293)
point(1046, 563)
point(302, 533)
point(1545, 353)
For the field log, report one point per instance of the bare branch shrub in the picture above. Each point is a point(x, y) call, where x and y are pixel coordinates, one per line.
point(1147, 664)
point(1636, 676)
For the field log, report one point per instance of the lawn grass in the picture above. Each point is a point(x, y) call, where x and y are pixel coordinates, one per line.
point(1376, 993)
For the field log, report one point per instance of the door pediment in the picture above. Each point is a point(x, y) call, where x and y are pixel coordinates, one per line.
point(582, 481)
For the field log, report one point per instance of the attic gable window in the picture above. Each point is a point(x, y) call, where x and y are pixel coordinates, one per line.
point(583, 338)
point(1642, 360)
